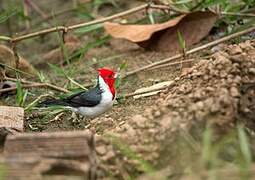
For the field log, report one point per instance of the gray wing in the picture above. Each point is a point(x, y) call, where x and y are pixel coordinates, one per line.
point(88, 98)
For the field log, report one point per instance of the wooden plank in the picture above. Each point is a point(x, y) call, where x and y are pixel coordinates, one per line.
point(50, 154)
point(19, 169)
point(73, 144)
point(34, 168)
point(12, 118)
point(11, 122)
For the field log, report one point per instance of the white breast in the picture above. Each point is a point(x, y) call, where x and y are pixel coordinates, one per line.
point(104, 105)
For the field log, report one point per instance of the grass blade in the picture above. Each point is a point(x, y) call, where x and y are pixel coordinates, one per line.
point(207, 146)
point(244, 145)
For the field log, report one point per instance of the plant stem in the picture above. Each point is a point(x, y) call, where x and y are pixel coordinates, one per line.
point(76, 26)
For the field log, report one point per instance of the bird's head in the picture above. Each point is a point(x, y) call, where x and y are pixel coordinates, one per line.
point(109, 77)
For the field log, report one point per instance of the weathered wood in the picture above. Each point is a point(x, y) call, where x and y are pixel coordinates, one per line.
point(12, 117)
point(49, 154)
point(11, 121)
point(34, 168)
point(19, 169)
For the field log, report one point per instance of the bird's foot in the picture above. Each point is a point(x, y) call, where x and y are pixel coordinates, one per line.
point(74, 118)
point(77, 118)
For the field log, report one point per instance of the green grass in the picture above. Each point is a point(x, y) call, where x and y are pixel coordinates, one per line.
point(126, 151)
point(219, 152)
point(21, 94)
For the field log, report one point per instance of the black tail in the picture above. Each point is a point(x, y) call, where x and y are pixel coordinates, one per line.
point(53, 102)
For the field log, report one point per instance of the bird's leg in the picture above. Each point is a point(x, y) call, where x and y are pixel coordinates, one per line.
point(74, 118)
point(80, 117)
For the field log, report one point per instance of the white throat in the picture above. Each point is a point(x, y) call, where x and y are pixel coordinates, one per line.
point(102, 84)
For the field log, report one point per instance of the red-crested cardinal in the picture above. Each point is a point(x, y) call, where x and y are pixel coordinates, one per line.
point(93, 102)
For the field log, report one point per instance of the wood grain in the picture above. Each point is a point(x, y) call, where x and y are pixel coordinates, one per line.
point(12, 117)
point(40, 155)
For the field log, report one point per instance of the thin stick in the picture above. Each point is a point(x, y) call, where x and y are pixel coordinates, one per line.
point(34, 85)
point(133, 10)
point(5, 38)
point(238, 14)
point(173, 64)
point(167, 7)
point(210, 44)
point(55, 87)
point(16, 70)
point(38, 33)
point(76, 26)
point(21, 80)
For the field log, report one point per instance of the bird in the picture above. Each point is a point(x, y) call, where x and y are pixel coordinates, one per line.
point(93, 102)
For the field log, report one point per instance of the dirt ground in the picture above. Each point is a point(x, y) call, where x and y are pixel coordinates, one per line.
point(217, 89)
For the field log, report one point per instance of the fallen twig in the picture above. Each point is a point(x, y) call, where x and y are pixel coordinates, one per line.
point(14, 69)
point(173, 64)
point(178, 11)
point(76, 26)
point(21, 80)
point(55, 87)
point(210, 44)
point(238, 14)
point(30, 84)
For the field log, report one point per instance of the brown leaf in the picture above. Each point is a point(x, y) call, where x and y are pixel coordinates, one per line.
point(163, 37)
point(7, 57)
point(138, 33)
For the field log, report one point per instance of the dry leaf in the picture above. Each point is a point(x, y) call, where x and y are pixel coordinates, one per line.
point(163, 37)
point(138, 33)
point(7, 57)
